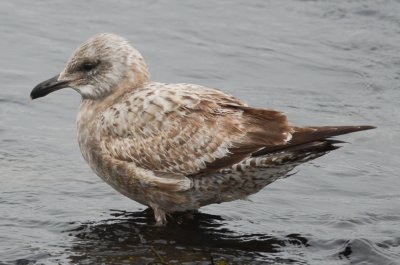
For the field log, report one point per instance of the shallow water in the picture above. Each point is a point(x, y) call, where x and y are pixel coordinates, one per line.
point(321, 62)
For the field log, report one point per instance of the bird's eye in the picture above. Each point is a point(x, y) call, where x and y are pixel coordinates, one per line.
point(88, 66)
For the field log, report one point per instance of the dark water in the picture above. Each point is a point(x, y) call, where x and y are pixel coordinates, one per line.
point(322, 62)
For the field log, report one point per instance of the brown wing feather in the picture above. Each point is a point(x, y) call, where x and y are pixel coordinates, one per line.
point(263, 128)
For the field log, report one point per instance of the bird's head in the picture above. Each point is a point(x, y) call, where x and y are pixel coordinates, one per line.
point(97, 68)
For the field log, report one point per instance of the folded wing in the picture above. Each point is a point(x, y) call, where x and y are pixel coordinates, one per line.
point(184, 129)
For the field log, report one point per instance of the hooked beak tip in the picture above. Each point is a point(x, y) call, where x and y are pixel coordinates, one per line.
point(48, 86)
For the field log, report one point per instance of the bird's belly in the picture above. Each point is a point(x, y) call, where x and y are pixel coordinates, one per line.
point(219, 188)
point(230, 186)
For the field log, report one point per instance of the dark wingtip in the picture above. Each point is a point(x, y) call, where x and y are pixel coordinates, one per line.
point(315, 138)
point(309, 134)
point(366, 127)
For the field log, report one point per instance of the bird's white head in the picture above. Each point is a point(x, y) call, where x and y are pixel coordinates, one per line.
point(98, 67)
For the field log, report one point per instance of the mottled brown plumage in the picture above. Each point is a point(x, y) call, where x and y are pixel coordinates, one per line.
point(177, 147)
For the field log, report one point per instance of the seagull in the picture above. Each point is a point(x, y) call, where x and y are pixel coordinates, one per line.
point(177, 147)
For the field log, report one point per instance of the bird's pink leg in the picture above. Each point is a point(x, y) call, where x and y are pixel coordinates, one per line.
point(159, 215)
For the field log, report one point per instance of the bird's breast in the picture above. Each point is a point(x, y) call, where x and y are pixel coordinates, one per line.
point(87, 133)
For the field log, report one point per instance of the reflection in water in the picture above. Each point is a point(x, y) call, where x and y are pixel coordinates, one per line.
point(132, 237)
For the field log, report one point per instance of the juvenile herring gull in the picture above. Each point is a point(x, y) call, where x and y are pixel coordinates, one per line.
point(177, 147)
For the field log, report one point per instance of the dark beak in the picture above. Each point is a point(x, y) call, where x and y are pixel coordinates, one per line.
point(48, 86)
